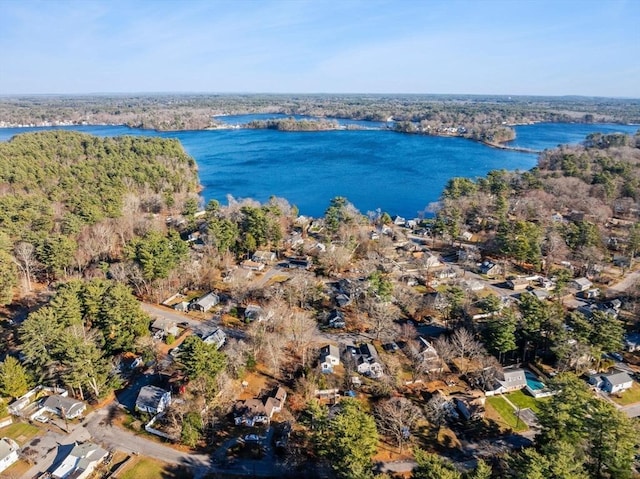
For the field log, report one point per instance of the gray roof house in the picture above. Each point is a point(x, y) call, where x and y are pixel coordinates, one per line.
point(63, 406)
point(218, 337)
point(162, 327)
point(490, 268)
point(367, 363)
point(259, 411)
point(80, 462)
point(336, 319)
point(512, 379)
point(581, 284)
point(263, 256)
point(153, 400)
point(616, 382)
point(205, 303)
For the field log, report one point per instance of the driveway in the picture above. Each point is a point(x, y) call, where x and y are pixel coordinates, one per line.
point(201, 327)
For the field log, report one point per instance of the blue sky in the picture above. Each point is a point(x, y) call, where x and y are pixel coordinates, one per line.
point(535, 47)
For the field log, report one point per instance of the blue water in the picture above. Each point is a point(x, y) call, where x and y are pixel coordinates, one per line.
point(542, 136)
point(533, 382)
point(398, 173)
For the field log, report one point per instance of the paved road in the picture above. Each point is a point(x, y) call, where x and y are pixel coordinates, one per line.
point(624, 284)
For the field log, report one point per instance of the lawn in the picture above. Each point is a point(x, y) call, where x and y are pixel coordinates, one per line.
point(523, 400)
point(147, 468)
point(630, 396)
point(20, 432)
point(506, 412)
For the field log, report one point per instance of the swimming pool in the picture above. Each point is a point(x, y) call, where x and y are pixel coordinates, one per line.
point(533, 382)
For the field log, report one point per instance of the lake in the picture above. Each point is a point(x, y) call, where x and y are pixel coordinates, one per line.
point(398, 173)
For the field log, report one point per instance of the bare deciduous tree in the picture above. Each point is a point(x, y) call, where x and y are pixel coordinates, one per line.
point(25, 259)
point(396, 417)
point(382, 318)
point(437, 411)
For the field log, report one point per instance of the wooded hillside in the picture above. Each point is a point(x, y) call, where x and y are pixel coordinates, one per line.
point(69, 199)
point(581, 203)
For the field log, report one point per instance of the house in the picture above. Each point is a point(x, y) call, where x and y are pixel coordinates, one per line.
point(152, 400)
point(632, 342)
point(253, 312)
point(329, 357)
point(518, 284)
point(490, 269)
point(592, 293)
point(336, 319)
point(367, 363)
point(467, 236)
point(263, 256)
point(511, 379)
point(399, 220)
point(581, 284)
point(299, 262)
point(448, 273)
point(62, 406)
point(205, 303)
point(429, 355)
point(470, 407)
point(343, 300)
point(80, 462)
point(546, 283)
point(252, 265)
point(162, 327)
point(540, 294)
point(218, 337)
point(616, 382)
point(182, 306)
point(8, 452)
point(429, 261)
point(259, 411)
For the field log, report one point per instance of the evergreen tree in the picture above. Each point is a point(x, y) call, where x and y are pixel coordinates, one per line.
point(432, 466)
point(350, 441)
point(14, 381)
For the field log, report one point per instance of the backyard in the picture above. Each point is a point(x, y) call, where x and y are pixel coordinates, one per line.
point(630, 396)
point(147, 468)
point(509, 418)
point(20, 432)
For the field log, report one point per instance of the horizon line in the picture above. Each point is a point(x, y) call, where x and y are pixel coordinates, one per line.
point(240, 93)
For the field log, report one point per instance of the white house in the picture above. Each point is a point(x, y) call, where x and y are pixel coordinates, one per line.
point(62, 406)
point(616, 382)
point(80, 462)
point(367, 362)
point(329, 357)
point(263, 256)
point(8, 452)
point(511, 380)
point(581, 284)
point(153, 400)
